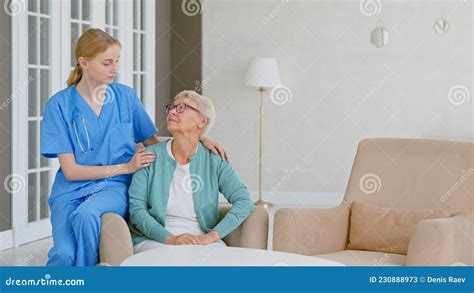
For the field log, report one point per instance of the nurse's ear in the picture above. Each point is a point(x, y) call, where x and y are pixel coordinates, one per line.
point(83, 63)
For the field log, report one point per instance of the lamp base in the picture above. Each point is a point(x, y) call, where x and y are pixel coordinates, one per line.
point(263, 204)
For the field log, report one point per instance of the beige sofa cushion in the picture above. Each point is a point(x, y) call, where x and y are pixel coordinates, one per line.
point(385, 229)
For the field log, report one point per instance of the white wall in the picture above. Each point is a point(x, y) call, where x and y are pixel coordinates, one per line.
point(343, 88)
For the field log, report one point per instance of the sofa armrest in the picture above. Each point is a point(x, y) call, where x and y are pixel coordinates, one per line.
point(442, 242)
point(115, 240)
point(252, 233)
point(311, 231)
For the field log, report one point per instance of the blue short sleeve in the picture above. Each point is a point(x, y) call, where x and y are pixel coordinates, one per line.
point(55, 137)
point(143, 126)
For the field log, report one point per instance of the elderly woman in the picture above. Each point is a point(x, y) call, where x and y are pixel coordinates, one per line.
point(175, 199)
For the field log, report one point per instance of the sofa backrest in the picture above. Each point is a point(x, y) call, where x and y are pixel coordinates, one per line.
point(413, 173)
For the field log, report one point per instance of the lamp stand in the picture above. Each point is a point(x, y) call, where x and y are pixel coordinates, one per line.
point(260, 202)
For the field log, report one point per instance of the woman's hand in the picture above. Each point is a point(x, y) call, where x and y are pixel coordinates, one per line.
point(215, 148)
point(140, 160)
point(190, 239)
point(210, 237)
point(183, 239)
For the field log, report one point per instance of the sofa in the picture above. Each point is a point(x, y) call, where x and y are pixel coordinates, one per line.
point(393, 174)
point(115, 242)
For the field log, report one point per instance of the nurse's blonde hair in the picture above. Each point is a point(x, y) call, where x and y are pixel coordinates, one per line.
point(204, 105)
point(91, 43)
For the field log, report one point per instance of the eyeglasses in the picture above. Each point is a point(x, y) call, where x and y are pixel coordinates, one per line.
point(180, 108)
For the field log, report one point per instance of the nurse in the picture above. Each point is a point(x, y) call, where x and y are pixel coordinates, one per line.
point(92, 127)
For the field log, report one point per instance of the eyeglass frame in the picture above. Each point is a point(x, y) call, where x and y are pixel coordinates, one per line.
point(176, 107)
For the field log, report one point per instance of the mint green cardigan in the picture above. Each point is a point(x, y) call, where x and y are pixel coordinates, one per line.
point(149, 191)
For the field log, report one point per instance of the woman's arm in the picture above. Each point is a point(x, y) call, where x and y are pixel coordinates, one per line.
point(237, 195)
point(75, 172)
point(140, 217)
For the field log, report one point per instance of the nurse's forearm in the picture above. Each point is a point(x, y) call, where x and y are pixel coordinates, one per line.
point(75, 172)
point(81, 172)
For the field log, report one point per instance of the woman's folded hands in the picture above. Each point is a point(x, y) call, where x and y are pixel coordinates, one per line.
point(190, 239)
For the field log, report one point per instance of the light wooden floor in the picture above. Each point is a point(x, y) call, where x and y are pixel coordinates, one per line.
point(30, 254)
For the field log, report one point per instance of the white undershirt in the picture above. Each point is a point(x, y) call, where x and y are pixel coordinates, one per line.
point(180, 215)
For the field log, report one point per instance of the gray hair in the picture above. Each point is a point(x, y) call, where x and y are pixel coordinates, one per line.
point(204, 105)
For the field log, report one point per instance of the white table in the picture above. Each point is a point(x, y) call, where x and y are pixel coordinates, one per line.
point(208, 255)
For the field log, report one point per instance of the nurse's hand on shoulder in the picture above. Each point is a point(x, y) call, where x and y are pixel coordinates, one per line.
point(215, 148)
point(140, 160)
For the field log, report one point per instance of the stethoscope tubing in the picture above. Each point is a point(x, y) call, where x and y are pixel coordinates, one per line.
point(85, 125)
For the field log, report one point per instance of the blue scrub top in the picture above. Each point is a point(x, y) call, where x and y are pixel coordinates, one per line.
point(113, 134)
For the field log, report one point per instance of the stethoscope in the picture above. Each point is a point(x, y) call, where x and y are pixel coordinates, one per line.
point(85, 151)
point(76, 113)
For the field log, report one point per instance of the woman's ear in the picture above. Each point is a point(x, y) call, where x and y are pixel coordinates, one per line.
point(203, 122)
point(82, 62)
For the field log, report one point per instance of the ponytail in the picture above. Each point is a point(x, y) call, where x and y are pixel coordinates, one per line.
point(75, 76)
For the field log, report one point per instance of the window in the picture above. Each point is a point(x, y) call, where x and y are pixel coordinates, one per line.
point(80, 22)
point(35, 35)
point(111, 22)
point(138, 46)
point(111, 17)
point(47, 32)
point(143, 52)
point(39, 76)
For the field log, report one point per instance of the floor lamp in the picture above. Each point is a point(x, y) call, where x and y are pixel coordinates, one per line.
point(262, 74)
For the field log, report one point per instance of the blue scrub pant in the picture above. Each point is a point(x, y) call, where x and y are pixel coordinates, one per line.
point(76, 225)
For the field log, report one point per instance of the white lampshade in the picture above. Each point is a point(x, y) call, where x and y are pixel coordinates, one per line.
point(263, 72)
